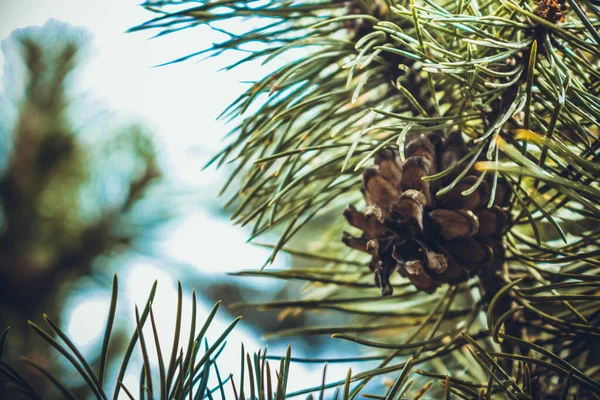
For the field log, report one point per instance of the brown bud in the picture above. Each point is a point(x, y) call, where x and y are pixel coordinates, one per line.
point(458, 237)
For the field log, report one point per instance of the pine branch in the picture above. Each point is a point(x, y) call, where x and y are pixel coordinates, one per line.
point(517, 82)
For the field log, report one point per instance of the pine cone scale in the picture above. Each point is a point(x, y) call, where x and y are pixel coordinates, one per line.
point(455, 223)
point(381, 192)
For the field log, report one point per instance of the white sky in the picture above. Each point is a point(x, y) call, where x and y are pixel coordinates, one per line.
point(173, 100)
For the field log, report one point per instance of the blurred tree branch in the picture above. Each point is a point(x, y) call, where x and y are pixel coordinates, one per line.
point(62, 204)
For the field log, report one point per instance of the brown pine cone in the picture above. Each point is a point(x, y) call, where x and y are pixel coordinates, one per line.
point(429, 240)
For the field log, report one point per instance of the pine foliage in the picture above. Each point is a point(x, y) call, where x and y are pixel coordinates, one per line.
point(519, 81)
point(183, 372)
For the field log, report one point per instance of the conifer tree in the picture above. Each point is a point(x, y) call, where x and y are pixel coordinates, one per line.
point(457, 144)
point(464, 136)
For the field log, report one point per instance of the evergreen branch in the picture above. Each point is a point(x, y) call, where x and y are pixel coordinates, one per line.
point(191, 381)
point(518, 81)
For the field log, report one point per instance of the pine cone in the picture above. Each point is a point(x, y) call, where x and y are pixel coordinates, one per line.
point(429, 240)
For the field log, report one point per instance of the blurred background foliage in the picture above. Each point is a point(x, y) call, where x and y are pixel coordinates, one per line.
point(83, 194)
point(71, 194)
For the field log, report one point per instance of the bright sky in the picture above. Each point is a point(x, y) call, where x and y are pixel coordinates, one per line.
point(172, 100)
point(179, 104)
